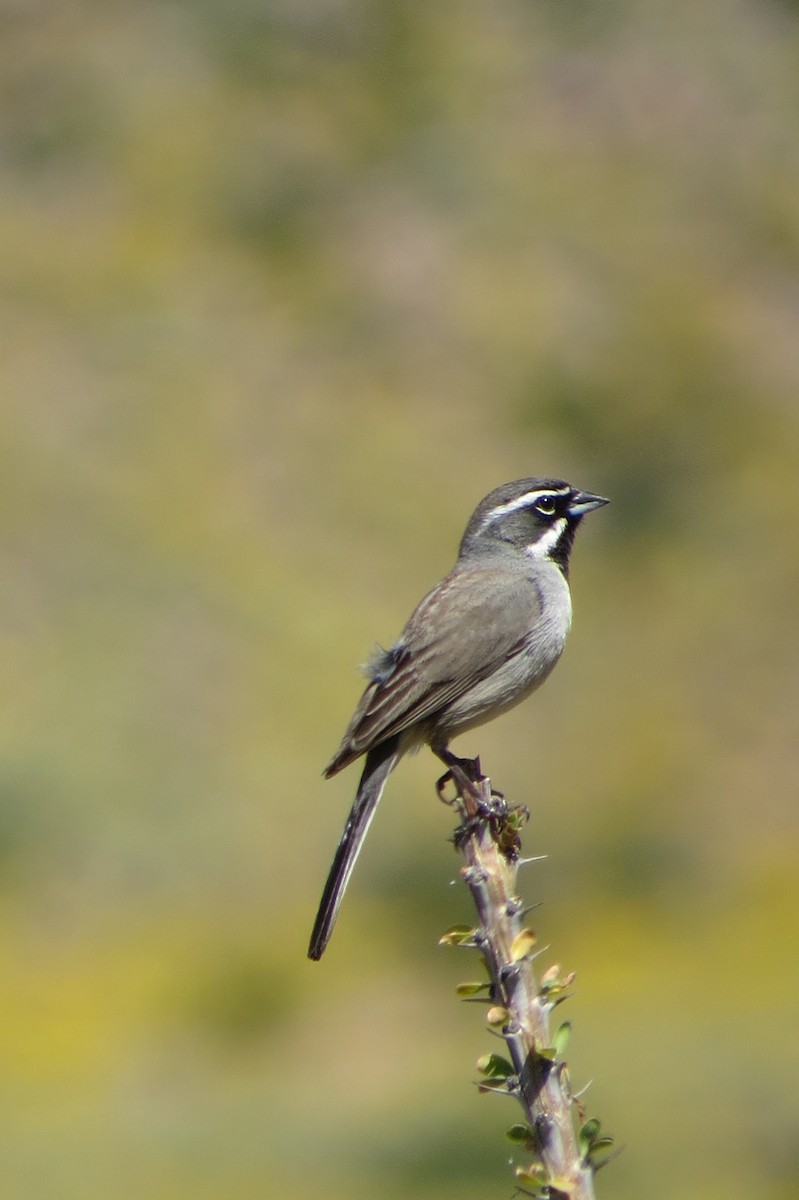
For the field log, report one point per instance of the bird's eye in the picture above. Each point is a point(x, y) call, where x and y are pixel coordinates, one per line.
point(545, 505)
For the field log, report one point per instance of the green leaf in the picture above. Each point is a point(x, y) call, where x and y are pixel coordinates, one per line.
point(458, 935)
point(597, 1163)
point(553, 989)
point(522, 945)
point(521, 1135)
point(472, 989)
point(562, 1038)
point(588, 1134)
point(533, 1176)
point(494, 1066)
point(497, 1016)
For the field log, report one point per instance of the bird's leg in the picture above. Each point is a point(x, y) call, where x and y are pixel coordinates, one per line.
point(465, 773)
point(480, 805)
point(473, 787)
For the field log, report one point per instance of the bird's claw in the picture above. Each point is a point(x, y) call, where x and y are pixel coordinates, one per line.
point(466, 775)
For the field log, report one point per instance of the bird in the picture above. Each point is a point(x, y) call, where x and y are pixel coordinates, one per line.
point(486, 636)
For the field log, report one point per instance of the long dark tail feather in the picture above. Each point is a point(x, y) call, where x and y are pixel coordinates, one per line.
point(379, 763)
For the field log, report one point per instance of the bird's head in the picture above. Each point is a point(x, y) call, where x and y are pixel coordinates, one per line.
point(534, 517)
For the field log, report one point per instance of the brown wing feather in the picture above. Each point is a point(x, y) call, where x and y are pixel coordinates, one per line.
point(460, 632)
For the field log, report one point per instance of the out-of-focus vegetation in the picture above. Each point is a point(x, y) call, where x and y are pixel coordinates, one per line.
point(287, 287)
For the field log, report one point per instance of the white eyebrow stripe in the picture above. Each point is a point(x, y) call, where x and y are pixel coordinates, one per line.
point(543, 547)
point(525, 501)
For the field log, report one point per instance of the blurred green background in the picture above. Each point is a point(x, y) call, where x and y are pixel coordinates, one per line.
point(287, 287)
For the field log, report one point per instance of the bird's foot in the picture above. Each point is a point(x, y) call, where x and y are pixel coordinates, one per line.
point(503, 822)
point(472, 788)
point(480, 804)
point(465, 774)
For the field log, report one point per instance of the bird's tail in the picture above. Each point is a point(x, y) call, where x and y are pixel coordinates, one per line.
point(379, 763)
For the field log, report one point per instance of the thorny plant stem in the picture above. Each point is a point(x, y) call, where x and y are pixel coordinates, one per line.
point(489, 844)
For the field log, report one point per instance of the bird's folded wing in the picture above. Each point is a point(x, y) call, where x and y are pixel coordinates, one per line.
point(460, 633)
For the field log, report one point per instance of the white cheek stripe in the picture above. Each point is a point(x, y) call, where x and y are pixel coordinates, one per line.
point(525, 501)
point(548, 541)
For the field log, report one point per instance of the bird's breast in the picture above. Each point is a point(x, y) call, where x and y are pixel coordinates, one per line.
point(526, 667)
point(548, 634)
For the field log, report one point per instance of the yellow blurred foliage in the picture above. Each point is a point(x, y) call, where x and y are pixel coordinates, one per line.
point(286, 289)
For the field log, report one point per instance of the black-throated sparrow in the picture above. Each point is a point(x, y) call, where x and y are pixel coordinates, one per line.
point(484, 638)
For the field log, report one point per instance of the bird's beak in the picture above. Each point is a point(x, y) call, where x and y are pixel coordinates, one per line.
point(583, 502)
